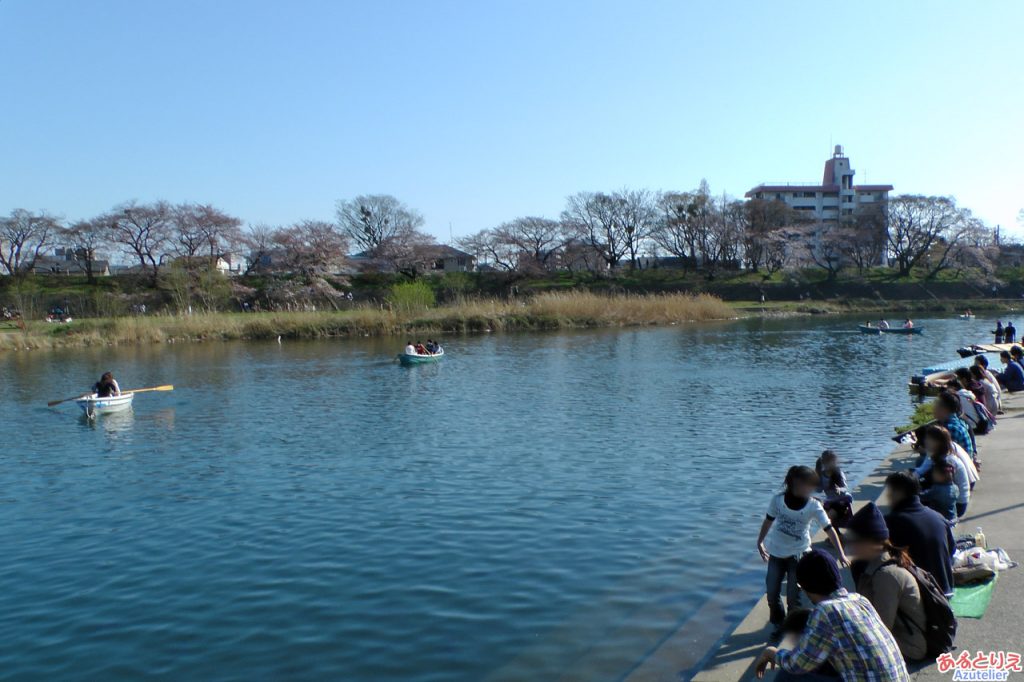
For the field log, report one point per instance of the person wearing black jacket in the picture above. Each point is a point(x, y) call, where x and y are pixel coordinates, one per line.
point(926, 536)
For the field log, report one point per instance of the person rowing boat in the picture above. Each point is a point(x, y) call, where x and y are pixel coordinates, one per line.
point(430, 348)
point(107, 386)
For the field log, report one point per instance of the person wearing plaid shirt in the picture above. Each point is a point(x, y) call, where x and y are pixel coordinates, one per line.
point(843, 630)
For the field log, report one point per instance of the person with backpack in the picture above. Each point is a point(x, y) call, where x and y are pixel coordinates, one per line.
point(926, 536)
point(972, 411)
point(883, 573)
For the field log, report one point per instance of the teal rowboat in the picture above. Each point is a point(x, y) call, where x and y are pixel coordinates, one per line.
point(902, 330)
point(864, 329)
point(409, 359)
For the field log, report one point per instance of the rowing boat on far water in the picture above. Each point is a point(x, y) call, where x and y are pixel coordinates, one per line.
point(93, 405)
point(864, 329)
point(418, 359)
point(902, 330)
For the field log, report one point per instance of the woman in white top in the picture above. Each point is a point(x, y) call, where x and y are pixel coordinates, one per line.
point(991, 390)
point(981, 362)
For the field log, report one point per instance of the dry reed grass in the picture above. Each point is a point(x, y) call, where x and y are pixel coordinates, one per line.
point(545, 311)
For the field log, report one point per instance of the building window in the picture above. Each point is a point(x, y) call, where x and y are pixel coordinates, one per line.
point(778, 196)
point(804, 208)
point(847, 199)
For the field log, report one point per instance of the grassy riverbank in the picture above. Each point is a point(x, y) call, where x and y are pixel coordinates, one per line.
point(545, 311)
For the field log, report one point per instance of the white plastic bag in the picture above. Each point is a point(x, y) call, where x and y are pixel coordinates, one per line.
point(995, 559)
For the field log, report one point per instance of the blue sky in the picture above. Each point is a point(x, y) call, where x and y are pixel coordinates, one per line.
point(478, 112)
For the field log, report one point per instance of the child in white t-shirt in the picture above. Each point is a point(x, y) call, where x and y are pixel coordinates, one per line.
point(786, 535)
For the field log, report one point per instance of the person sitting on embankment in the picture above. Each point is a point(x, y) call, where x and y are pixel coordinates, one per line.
point(882, 573)
point(939, 447)
point(844, 630)
point(946, 410)
point(972, 411)
point(786, 535)
point(927, 536)
point(920, 434)
point(1012, 376)
point(942, 495)
point(989, 389)
point(838, 502)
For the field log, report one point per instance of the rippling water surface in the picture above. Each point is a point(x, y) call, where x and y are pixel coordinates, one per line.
point(537, 505)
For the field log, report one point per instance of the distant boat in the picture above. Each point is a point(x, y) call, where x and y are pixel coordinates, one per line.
point(93, 405)
point(865, 329)
point(902, 330)
point(417, 359)
point(967, 316)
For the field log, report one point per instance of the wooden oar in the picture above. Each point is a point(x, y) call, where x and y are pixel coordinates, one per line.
point(64, 400)
point(166, 387)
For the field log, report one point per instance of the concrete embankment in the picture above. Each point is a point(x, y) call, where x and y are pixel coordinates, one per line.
point(997, 506)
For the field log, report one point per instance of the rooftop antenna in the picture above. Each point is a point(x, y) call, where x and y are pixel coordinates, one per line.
point(451, 235)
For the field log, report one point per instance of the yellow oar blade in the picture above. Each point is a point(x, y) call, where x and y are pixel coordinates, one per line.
point(166, 387)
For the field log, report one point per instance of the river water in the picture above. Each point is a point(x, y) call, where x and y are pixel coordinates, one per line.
point(535, 506)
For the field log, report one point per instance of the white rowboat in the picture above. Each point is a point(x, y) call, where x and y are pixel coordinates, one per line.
point(93, 405)
point(417, 359)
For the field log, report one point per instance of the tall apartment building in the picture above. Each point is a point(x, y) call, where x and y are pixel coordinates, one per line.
point(835, 197)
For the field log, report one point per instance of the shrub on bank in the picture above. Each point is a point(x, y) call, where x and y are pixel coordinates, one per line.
point(406, 297)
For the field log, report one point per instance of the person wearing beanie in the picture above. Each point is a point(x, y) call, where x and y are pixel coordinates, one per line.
point(843, 630)
point(927, 536)
point(882, 574)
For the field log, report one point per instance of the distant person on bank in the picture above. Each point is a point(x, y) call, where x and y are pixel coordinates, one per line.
point(998, 331)
point(927, 536)
point(1009, 333)
point(843, 630)
point(786, 536)
point(881, 572)
point(1012, 376)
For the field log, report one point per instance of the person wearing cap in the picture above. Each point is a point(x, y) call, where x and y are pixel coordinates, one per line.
point(881, 573)
point(844, 629)
point(926, 535)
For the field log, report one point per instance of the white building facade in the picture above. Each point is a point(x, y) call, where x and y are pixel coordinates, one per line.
point(835, 197)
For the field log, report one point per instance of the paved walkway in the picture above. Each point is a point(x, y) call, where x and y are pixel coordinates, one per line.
point(997, 506)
